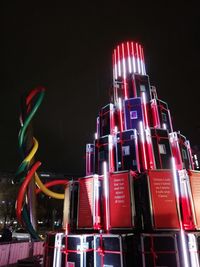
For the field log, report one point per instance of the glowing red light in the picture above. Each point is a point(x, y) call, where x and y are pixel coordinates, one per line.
point(128, 58)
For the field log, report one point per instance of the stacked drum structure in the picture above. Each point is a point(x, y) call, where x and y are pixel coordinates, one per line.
point(139, 203)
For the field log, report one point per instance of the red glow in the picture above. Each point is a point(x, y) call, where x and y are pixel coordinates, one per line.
point(138, 58)
point(118, 62)
point(115, 64)
point(128, 58)
point(176, 150)
point(155, 115)
point(143, 61)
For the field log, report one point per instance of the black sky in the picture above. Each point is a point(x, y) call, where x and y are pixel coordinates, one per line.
point(68, 50)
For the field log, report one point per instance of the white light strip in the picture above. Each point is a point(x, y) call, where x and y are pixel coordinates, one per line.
point(196, 161)
point(115, 64)
point(175, 181)
point(120, 113)
point(118, 63)
point(142, 67)
point(106, 192)
point(129, 58)
point(193, 249)
point(143, 61)
point(133, 58)
point(140, 56)
point(182, 233)
point(110, 147)
point(57, 258)
point(142, 131)
point(165, 126)
point(96, 198)
point(184, 249)
point(138, 59)
point(110, 142)
point(123, 60)
point(120, 103)
point(145, 109)
point(141, 127)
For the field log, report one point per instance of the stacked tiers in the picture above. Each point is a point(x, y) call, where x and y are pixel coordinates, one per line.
point(139, 203)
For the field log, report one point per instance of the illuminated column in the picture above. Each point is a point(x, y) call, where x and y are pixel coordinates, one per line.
point(128, 59)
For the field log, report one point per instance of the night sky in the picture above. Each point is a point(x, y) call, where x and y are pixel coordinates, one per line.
point(68, 50)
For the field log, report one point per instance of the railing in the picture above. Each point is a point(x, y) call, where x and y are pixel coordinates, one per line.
point(10, 253)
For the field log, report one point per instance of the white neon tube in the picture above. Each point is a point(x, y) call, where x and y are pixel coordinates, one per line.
point(138, 59)
point(182, 232)
point(118, 63)
point(143, 60)
point(145, 109)
point(141, 127)
point(115, 64)
point(106, 193)
point(123, 61)
point(184, 249)
point(120, 113)
point(133, 58)
point(129, 58)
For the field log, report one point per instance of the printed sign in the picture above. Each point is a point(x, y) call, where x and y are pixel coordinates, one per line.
point(120, 201)
point(164, 206)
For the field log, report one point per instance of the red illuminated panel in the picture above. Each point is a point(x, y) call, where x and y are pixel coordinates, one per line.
point(195, 188)
point(181, 151)
point(144, 107)
point(186, 208)
point(155, 115)
point(176, 150)
point(164, 206)
point(120, 201)
point(161, 117)
point(86, 202)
